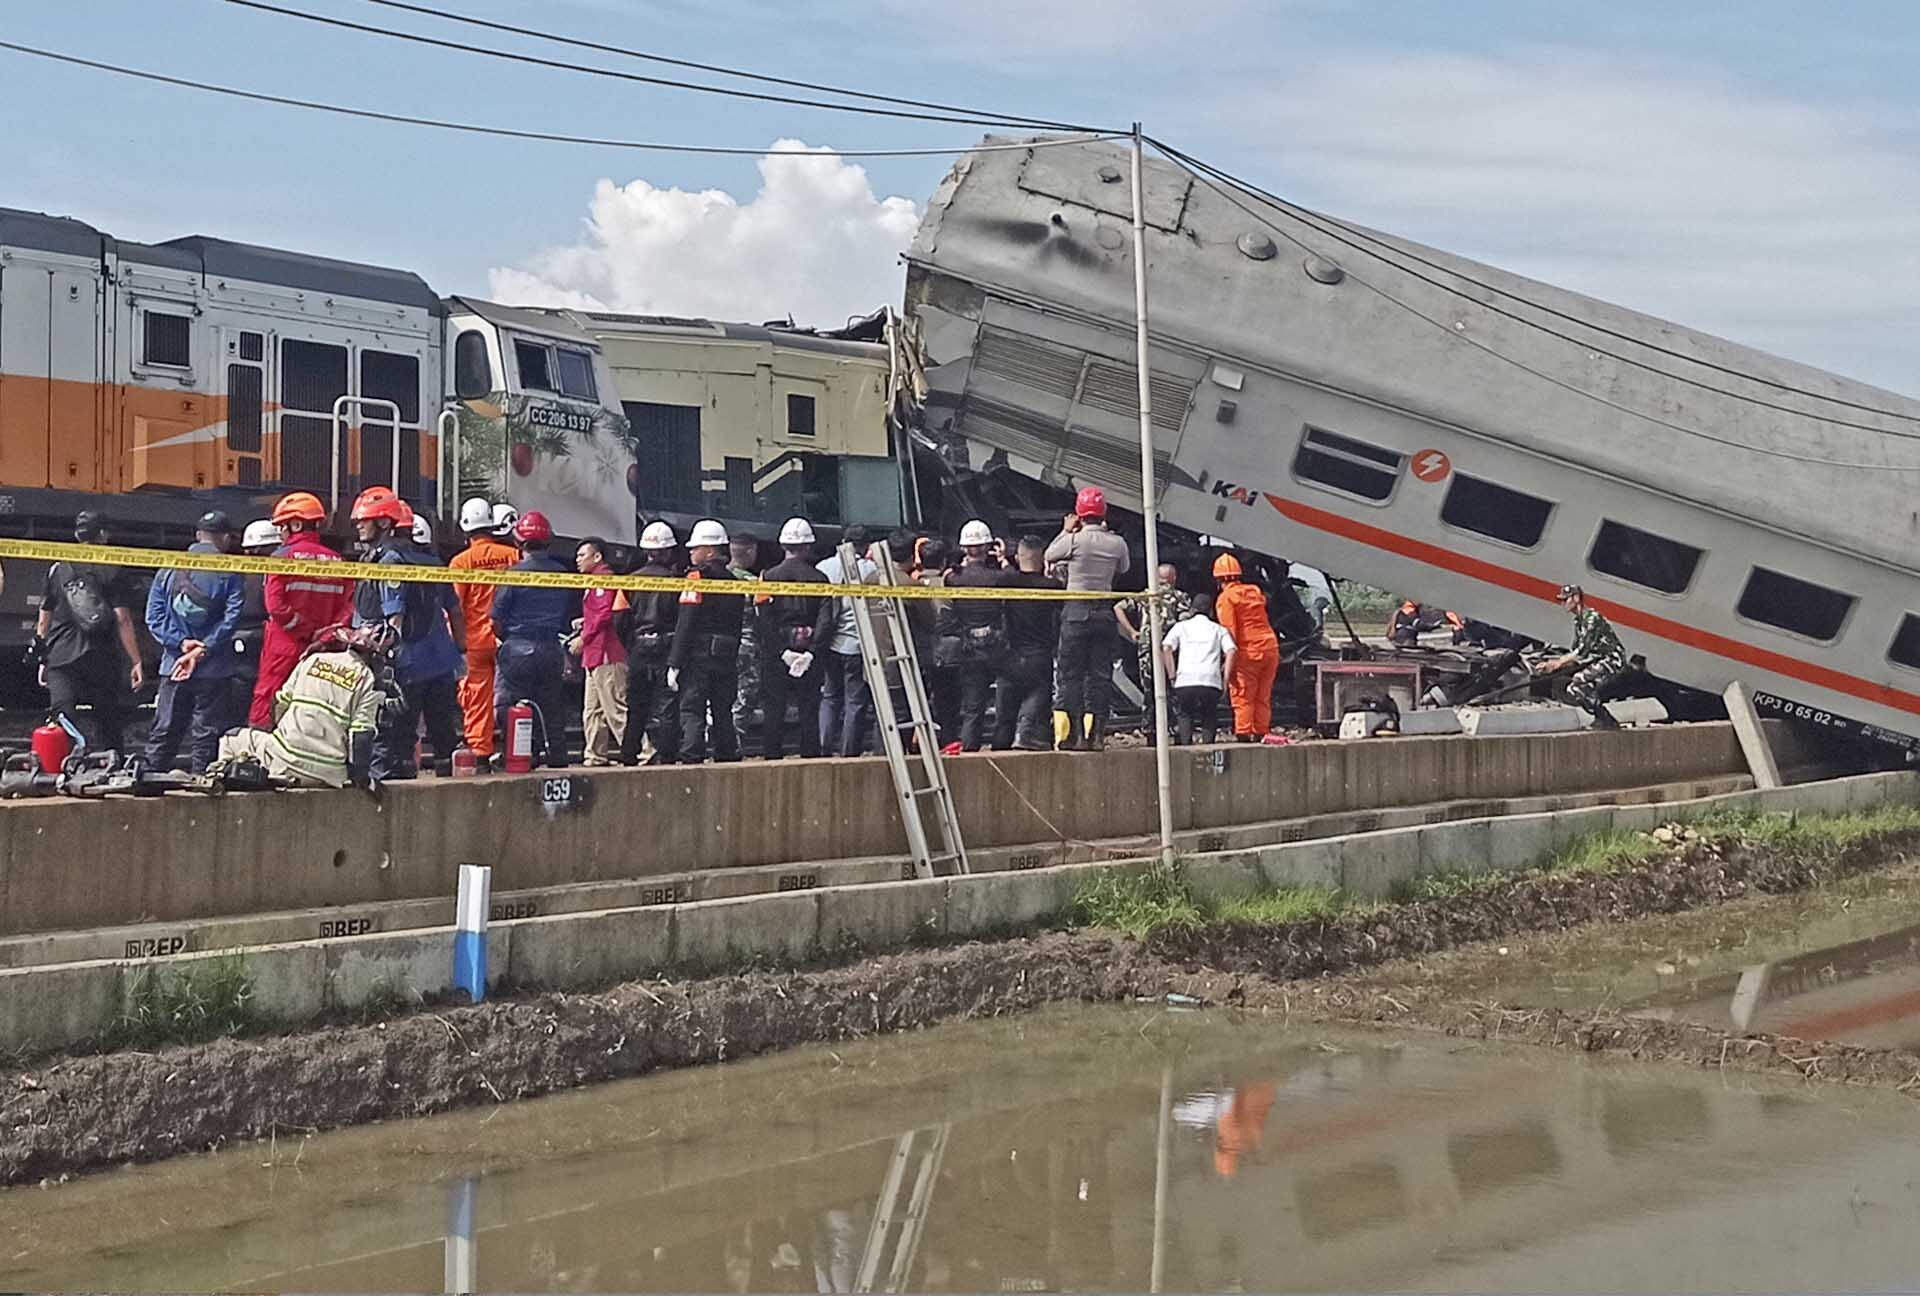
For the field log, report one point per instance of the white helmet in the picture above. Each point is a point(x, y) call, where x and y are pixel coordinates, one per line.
point(422, 531)
point(707, 532)
point(504, 516)
point(797, 531)
point(658, 535)
point(976, 532)
point(261, 533)
point(476, 515)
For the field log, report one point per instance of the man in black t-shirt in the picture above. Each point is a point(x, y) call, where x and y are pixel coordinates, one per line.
point(1024, 692)
point(84, 638)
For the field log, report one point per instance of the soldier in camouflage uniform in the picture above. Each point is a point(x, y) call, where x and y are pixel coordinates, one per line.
point(743, 556)
point(1134, 615)
point(1597, 656)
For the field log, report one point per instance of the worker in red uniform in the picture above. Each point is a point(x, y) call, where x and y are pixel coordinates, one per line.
point(486, 551)
point(298, 607)
point(1241, 609)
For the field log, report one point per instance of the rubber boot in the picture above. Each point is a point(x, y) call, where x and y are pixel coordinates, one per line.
point(1097, 740)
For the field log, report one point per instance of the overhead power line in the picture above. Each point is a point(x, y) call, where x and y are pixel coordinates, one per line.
point(506, 132)
point(576, 42)
point(1370, 246)
point(1218, 181)
point(534, 60)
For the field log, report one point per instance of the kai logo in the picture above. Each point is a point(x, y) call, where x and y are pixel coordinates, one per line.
point(1237, 493)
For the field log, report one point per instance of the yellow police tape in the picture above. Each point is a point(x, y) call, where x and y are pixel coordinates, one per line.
point(128, 556)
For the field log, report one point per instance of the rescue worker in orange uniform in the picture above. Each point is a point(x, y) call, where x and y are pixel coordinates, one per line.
point(298, 607)
point(485, 551)
point(1241, 609)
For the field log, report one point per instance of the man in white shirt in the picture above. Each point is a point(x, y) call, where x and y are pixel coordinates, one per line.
point(1199, 657)
point(846, 707)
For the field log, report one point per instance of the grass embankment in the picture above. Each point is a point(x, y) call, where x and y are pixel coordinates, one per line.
point(1161, 903)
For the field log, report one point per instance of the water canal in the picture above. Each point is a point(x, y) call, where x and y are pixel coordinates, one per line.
point(1084, 1148)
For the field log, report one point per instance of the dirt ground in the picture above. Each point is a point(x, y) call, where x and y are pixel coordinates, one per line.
point(67, 1115)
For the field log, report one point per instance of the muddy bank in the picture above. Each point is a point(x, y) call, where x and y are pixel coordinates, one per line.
point(1698, 871)
point(73, 1114)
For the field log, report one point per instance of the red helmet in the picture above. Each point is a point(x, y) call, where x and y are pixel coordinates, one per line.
point(1091, 502)
point(533, 525)
point(381, 502)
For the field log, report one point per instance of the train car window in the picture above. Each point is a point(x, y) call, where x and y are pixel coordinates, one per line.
point(1497, 512)
point(1643, 558)
point(575, 374)
point(472, 370)
point(531, 358)
point(1906, 644)
point(800, 413)
point(387, 376)
point(167, 340)
point(1789, 603)
point(245, 397)
point(1344, 464)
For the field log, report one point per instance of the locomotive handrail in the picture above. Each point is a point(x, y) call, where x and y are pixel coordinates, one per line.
point(447, 495)
point(340, 406)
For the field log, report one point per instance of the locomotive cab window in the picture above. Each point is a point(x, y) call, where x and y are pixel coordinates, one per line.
point(1643, 558)
point(1343, 464)
point(1906, 644)
point(1497, 512)
point(565, 370)
point(167, 340)
point(472, 369)
point(1794, 605)
point(575, 372)
point(531, 358)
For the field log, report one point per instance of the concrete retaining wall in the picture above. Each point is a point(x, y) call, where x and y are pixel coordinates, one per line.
point(48, 1007)
point(70, 865)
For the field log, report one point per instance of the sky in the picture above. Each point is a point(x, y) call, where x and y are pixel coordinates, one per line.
point(1751, 169)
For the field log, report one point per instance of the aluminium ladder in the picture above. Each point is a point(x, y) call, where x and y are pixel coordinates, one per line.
point(919, 777)
point(906, 1244)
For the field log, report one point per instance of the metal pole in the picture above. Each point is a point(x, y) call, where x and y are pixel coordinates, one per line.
point(1160, 1182)
point(1162, 755)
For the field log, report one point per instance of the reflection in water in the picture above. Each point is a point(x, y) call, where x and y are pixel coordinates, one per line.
point(1068, 1150)
point(1862, 992)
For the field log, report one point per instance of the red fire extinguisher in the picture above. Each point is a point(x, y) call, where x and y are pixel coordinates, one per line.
point(520, 721)
point(52, 744)
point(465, 763)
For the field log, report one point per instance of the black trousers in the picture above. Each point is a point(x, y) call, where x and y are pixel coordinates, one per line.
point(708, 684)
point(974, 684)
point(533, 669)
point(436, 701)
point(650, 711)
point(1196, 711)
point(98, 680)
point(1023, 695)
point(194, 711)
point(1087, 652)
point(776, 687)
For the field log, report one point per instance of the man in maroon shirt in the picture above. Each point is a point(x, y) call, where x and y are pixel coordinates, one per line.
point(604, 659)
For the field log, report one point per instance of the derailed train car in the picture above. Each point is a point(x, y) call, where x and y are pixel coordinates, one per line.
point(157, 381)
point(1419, 421)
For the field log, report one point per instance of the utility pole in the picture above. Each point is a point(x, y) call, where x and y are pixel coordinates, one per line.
point(1162, 756)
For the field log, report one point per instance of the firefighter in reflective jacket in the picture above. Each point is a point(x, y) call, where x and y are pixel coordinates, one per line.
point(1241, 609)
point(325, 714)
point(704, 663)
point(298, 607)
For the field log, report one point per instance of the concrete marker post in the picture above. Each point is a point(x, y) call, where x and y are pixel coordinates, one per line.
point(458, 1267)
point(1748, 729)
point(470, 931)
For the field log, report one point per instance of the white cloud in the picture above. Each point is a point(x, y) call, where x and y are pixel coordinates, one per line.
point(814, 242)
point(1784, 225)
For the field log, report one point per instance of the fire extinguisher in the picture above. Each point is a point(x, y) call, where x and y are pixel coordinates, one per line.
point(520, 722)
point(52, 744)
point(465, 763)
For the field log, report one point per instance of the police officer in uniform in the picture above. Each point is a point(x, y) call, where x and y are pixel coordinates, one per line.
point(649, 619)
point(793, 633)
point(703, 665)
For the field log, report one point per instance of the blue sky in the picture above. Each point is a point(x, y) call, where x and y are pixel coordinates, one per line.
point(1752, 169)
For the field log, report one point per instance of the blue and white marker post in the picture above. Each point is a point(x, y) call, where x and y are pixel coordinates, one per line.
point(470, 931)
point(459, 1258)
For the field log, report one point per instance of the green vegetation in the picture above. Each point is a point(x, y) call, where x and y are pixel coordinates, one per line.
point(1160, 901)
point(1367, 601)
point(185, 1006)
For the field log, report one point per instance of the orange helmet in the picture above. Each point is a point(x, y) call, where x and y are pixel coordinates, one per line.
point(299, 506)
point(1226, 565)
point(381, 502)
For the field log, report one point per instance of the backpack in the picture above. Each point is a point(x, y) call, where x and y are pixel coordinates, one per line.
point(87, 603)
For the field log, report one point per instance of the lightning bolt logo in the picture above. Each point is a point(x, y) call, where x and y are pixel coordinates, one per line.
point(1431, 465)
